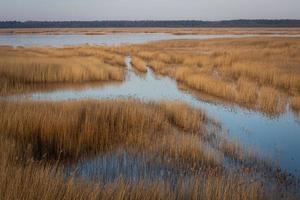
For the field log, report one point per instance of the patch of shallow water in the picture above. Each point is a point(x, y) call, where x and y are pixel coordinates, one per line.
point(278, 138)
point(107, 39)
point(131, 167)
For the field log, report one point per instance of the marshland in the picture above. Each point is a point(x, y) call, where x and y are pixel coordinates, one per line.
point(165, 114)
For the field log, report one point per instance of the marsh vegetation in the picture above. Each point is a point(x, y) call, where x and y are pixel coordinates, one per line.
point(38, 139)
point(24, 68)
point(257, 73)
point(127, 148)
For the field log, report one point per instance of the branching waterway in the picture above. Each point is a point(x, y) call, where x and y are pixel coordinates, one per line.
point(275, 137)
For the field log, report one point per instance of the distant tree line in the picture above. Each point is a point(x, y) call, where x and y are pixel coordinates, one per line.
point(124, 24)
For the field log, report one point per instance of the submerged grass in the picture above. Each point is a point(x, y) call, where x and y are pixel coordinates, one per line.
point(34, 181)
point(33, 133)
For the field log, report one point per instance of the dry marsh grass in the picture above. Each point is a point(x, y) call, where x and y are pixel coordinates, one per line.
point(21, 67)
point(235, 70)
point(185, 117)
point(37, 182)
point(187, 153)
point(211, 85)
point(76, 129)
point(296, 103)
point(174, 134)
point(32, 133)
point(139, 64)
point(72, 130)
point(270, 100)
point(247, 91)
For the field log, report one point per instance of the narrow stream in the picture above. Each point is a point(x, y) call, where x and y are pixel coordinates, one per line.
point(277, 138)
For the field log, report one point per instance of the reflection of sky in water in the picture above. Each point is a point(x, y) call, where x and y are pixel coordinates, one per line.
point(278, 137)
point(129, 166)
point(108, 39)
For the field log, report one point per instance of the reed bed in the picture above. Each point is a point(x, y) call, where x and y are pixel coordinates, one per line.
point(72, 130)
point(185, 117)
point(235, 70)
point(77, 129)
point(139, 64)
point(21, 67)
point(38, 139)
point(205, 83)
point(34, 133)
point(270, 101)
point(247, 91)
point(35, 181)
point(296, 103)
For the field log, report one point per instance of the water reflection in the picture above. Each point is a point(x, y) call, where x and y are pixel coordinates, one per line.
point(277, 137)
point(107, 39)
point(123, 163)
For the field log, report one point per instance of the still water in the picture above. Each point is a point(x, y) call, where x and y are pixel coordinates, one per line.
point(107, 39)
point(278, 138)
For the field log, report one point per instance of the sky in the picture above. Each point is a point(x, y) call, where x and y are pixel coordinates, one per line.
point(58, 10)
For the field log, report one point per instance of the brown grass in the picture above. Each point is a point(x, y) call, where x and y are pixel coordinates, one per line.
point(235, 70)
point(32, 66)
point(186, 153)
point(211, 85)
point(270, 76)
point(37, 182)
point(270, 100)
point(188, 119)
point(204, 82)
point(247, 92)
point(34, 133)
point(83, 127)
point(295, 104)
point(139, 64)
point(76, 129)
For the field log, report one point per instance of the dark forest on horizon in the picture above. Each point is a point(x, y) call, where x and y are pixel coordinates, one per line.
point(137, 24)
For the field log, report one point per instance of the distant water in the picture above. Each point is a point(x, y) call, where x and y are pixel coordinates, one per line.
point(107, 39)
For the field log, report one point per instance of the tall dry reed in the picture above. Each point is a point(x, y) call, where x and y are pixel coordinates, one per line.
point(32, 66)
point(76, 129)
point(139, 64)
point(39, 180)
point(231, 69)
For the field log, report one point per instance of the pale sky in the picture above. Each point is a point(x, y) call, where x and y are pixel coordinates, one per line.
point(23, 10)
